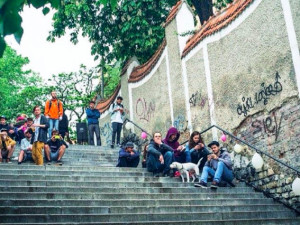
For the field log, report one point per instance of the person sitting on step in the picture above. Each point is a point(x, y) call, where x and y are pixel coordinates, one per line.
point(180, 154)
point(7, 146)
point(197, 149)
point(159, 157)
point(128, 157)
point(26, 147)
point(55, 148)
point(218, 165)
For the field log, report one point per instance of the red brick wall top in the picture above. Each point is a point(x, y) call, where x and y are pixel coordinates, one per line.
point(103, 105)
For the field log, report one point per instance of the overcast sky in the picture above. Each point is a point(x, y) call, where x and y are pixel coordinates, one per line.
point(45, 57)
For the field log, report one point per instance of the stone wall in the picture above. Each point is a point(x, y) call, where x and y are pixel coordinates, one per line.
point(242, 74)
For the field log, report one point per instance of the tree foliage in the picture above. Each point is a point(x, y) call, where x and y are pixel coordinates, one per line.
point(76, 89)
point(219, 4)
point(131, 28)
point(20, 89)
point(10, 18)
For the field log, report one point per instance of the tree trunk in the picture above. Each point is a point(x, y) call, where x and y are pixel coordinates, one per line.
point(204, 9)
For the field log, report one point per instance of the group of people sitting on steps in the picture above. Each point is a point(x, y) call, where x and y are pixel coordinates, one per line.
point(160, 153)
point(35, 139)
point(35, 134)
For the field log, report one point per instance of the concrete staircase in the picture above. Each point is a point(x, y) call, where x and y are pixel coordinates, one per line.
point(89, 189)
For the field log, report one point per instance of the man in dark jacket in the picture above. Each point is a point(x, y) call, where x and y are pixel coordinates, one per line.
point(218, 165)
point(40, 132)
point(160, 156)
point(128, 157)
point(64, 126)
point(93, 124)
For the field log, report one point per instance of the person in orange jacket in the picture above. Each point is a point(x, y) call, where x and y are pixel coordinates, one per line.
point(53, 112)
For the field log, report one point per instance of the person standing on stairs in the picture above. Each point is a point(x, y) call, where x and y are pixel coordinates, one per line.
point(93, 116)
point(117, 116)
point(53, 112)
point(39, 139)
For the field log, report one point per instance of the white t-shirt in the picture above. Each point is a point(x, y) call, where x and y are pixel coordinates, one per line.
point(36, 133)
point(118, 118)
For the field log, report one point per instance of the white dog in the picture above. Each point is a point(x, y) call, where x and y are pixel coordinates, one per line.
point(184, 168)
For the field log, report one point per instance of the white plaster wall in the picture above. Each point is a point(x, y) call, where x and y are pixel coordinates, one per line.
point(185, 22)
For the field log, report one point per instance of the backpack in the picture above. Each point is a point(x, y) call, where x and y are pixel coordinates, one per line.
point(50, 104)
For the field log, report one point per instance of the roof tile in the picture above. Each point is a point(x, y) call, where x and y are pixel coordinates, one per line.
point(103, 105)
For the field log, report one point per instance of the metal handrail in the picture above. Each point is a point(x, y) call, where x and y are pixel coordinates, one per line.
point(251, 146)
point(143, 130)
point(233, 136)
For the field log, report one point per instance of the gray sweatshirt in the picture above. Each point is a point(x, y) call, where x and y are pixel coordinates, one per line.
point(224, 157)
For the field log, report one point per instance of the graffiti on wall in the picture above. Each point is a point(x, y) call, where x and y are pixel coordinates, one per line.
point(265, 93)
point(106, 132)
point(144, 110)
point(197, 100)
point(270, 125)
point(179, 122)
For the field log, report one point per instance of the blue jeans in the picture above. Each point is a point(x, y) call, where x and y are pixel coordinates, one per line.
point(53, 123)
point(185, 157)
point(154, 165)
point(222, 173)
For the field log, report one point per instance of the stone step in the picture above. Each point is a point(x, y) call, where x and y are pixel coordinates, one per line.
point(26, 166)
point(269, 221)
point(117, 184)
point(62, 195)
point(134, 202)
point(131, 217)
point(74, 172)
point(116, 177)
point(130, 190)
point(135, 210)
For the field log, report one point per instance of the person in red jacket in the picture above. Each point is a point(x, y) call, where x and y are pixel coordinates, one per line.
point(53, 112)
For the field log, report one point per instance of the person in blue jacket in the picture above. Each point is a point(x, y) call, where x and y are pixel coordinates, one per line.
point(128, 157)
point(93, 116)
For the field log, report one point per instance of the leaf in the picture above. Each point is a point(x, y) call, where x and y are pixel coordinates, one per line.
point(18, 35)
point(11, 23)
point(2, 2)
point(2, 46)
point(55, 3)
point(46, 10)
point(113, 4)
point(38, 3)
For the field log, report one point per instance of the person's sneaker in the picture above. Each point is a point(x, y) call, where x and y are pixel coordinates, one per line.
point(112, 146)
point(19, 163)
point(59, 162)
point(155, 174)
point(201, 184)
point(8, 160)
point(214, 185)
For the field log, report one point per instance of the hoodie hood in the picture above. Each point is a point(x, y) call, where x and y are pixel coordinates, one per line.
point(174, 144)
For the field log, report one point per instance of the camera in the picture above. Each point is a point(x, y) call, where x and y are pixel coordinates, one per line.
point(57, 137)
